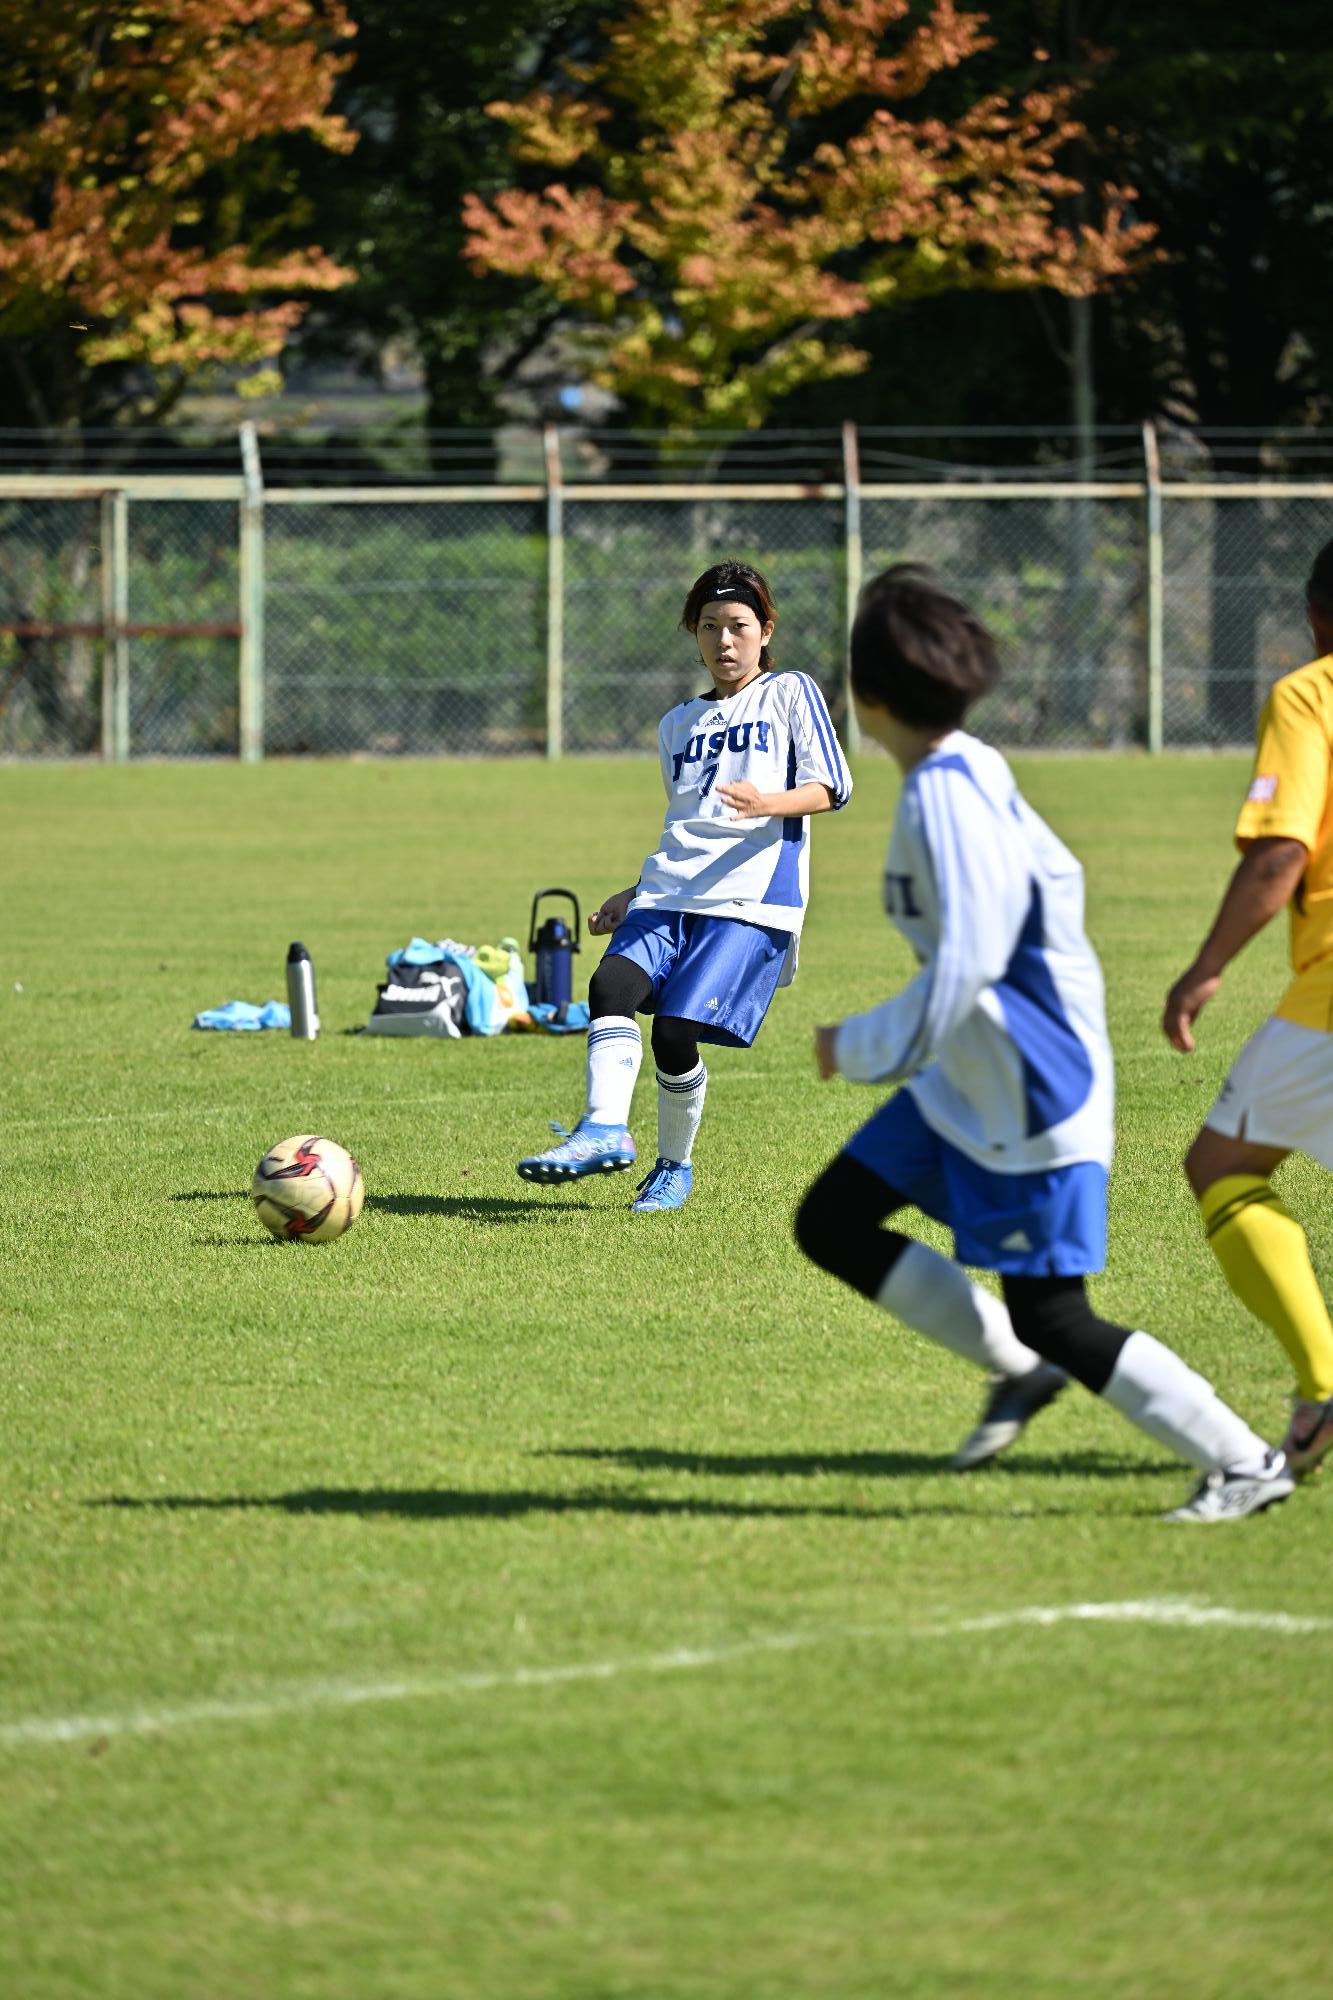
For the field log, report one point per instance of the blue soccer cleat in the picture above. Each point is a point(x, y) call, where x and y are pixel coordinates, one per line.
point(667, 1186)
point(588, 1149)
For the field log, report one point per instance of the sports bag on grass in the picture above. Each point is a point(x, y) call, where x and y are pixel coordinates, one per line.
point(422, 1000)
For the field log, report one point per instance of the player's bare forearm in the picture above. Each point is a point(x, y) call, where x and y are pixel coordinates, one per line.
point(1264, 883)
point(748, 802)
point(826, 1059)
point(612, 913)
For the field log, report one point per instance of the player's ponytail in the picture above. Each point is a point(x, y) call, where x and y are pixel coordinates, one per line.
point(731, 583)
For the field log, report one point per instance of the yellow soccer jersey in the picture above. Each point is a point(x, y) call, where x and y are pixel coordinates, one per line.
point(1291, 798)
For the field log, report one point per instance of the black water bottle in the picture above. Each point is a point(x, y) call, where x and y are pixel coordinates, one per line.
point(301, 993)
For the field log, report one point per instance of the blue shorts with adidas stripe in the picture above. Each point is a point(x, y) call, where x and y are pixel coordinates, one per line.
point(1046, 1225)
point(717, 971)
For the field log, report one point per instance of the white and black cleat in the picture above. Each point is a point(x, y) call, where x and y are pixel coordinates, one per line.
point(1230, 1496)
point(1011, 1404)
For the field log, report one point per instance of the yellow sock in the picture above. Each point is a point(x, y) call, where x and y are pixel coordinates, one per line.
point(1266, 1262)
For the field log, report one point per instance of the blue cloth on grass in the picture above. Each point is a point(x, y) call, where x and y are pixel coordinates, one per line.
point(543, 1017)
point(242, 1014)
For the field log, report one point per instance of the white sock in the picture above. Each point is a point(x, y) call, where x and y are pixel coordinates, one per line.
point(680, 1106)
point(615, 1050)
point(935, 1296)
point(1160, 1393)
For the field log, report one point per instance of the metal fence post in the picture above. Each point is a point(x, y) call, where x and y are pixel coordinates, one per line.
point(250, 689)
point(851, 516)
point(115, 619)
point(555, 594)
point(1152, 465)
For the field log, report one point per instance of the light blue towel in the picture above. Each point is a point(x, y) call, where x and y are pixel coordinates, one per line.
point(241, 1014)
point(419, 952)
point(483, 1011)
point(574, 1023)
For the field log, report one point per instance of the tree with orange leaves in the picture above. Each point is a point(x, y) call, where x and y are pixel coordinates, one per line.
point(146, 224)
point(734, 181)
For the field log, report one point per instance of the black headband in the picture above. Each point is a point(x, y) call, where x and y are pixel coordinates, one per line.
point(738, 592)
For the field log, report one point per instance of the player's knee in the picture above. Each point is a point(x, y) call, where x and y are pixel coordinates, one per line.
point(675, 1045)
point(1212, 1157)
point(814, 1224)
point(1195, 1164)
point(1054, 1317)
point(618, 986)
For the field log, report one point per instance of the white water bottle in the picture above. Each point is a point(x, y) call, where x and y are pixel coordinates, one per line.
point(301, 993)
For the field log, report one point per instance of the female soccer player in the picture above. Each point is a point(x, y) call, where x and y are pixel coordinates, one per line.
point(1002, 1128)
point(709, 931)
point(1278, 1098)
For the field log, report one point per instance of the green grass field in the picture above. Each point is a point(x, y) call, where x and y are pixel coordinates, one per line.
point(520, 1601)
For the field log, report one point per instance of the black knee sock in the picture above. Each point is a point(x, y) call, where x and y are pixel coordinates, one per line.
point(838, 1225)
point(618, 986)
point(1054, 1318)
point(675, 1045)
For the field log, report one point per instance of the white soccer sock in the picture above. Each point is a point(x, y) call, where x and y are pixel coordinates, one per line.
point(615, 1050)
point(935, 1296)
point(1162, 1394)
point(680, 1106)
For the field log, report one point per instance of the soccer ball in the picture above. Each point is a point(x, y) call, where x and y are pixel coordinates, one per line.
point(308, 1189)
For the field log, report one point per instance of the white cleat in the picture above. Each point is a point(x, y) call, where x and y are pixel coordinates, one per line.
point(1012, 1403)
point(1230, 1496)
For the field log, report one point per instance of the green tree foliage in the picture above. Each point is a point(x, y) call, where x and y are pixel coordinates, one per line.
point(144, 236)
point(1222, 119)
point(424, 70)
point(728, 184)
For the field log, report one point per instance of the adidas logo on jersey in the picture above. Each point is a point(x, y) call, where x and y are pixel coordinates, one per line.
point(713, 1005)
point(1019, 1240)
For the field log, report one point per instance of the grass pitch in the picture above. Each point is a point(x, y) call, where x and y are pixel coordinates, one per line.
point(518, 1598)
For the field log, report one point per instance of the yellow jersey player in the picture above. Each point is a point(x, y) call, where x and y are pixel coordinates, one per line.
point(1278, 1098)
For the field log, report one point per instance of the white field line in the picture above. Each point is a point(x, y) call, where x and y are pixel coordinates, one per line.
point(305, 1696)
point(1149, 1611)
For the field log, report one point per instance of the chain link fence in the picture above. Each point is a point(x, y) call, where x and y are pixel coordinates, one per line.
point(1061, 582)
point(183, 572)
point(198, 617)
point(404, 628)
point(1234, 570)
point(50, 615)
point(628, 567)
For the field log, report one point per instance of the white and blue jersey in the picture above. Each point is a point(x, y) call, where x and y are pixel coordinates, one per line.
point(776, 732)
point(1001, 1037)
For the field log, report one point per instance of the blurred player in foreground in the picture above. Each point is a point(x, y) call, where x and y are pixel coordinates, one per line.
point(1002, 1129)
point(1278, 1098)
point(709, 931)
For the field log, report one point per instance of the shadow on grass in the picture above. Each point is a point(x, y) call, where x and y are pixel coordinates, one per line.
point(870, 1464)
point(463, 1207)
point(264, 1242)
point(451, 1504)
point(470, 1207)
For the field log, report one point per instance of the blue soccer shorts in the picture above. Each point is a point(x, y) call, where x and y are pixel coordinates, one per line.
point(716, 971)
point(1045, 1225)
